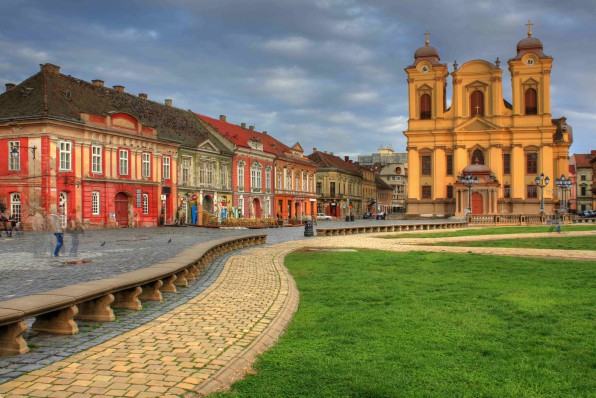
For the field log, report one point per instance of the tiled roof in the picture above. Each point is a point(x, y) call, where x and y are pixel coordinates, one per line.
point(53, 94)
point(241, 136)
point(381, 184)
point(328, 160)
point(583, 159)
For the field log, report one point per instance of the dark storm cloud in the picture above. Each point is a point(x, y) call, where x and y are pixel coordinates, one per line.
point(326, 73)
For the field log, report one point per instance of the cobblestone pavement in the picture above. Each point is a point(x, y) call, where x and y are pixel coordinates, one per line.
point(27, 267)
point(202, 338)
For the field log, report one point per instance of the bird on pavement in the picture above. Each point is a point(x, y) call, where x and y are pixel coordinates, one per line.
point(103, 244)
point(170, 240)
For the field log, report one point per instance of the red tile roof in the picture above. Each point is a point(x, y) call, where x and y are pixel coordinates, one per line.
point(583, 159)
point(328, 160)
point(241, 136)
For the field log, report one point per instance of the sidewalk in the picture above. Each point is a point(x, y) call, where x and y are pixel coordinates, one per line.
point(212, 340)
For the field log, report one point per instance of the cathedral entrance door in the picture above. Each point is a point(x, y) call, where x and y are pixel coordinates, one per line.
point(477, 203)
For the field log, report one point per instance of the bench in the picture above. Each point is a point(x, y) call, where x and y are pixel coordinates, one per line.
point(56, 311)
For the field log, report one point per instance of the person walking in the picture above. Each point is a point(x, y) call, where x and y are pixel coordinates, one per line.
point(56, 227)
point(4, 221)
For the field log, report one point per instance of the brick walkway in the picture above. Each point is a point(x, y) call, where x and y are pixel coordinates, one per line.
point(211, 340)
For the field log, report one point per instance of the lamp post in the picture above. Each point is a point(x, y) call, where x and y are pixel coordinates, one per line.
point(541, 181)
point(468, 181)
point(564, 184)
point(15, 153)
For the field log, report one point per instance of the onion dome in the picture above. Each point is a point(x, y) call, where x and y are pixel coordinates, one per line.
point(530, 45)
point(428, 53)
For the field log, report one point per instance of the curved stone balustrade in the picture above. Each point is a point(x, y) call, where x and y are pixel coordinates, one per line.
point(388, 228)
point(56, 311)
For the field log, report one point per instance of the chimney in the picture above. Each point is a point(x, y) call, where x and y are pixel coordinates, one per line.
point(222, 118)
point(265, 132)
point(97, 82)
point(50, 68)
point(168, 102)
point(143, 95)
point(251, 128)
point(314, 150)
point(10, 86)
point(243, 125)
point(119, 88)
point(347, 158)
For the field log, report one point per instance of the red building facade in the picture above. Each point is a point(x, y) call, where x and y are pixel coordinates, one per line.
point(84, 151)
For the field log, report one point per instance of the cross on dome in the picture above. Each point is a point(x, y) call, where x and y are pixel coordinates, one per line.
point(529, 25)
point(427, 33)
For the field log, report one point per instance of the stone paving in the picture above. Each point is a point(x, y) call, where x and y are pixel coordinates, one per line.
point(209, 336)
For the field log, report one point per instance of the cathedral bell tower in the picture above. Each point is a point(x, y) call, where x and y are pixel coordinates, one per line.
point(427, 82)
point(530, 79)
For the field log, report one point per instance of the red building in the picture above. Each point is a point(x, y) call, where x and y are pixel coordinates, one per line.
point(94, 154)
point(270, 179)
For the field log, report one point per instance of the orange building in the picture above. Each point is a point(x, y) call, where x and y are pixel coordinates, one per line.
point(93, 154)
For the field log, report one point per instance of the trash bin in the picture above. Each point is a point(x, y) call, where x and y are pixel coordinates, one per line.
point(347, 218)
point(352, 217)
point(309, 229)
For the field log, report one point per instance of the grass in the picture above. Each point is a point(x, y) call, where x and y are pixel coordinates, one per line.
point(379, 324)
point(492, 231)
point(555, 242)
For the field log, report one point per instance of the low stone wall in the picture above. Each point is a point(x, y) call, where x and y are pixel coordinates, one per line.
point(388, 228)
point(56, 311)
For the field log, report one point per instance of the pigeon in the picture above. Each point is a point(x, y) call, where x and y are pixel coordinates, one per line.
point(170, 240)
point(103, 244)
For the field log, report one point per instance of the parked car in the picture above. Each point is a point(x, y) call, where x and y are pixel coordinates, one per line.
point(323, 216)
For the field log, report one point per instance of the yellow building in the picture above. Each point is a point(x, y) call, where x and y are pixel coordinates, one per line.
point(502, 146)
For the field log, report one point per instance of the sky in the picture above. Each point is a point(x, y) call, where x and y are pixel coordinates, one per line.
point(328, 74)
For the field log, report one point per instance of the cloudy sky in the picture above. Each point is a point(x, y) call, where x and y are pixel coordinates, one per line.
point(325, 73)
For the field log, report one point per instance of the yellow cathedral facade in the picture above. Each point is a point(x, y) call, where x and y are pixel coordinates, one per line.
point(482, 154)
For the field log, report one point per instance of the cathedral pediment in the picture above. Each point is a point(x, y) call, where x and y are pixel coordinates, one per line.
point(476, 124)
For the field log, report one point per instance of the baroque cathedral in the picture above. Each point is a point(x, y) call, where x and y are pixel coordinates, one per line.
point(483, 154)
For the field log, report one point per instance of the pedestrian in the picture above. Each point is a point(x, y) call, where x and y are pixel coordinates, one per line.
point(12, 220)
point(75, 232)
point(56, 228)
point(4, 221)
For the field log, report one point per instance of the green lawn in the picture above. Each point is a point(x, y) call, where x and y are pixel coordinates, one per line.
point(492, 231)
point(379, 324)
point(555, 242)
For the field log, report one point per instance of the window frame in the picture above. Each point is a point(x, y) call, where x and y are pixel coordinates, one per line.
point(531, 191)
point(476, 99)
point(528, 99)
point(145, 203)
point(426, 192)
point(507, 164)
point(65, 155)
point(95, 203)
point(96, 159)
point(531, 163)
point(425, 107)
point(146, 165)
point(123, 162)
point(449, 159)
point(166, 167)
point(14, 164)
point(16, 205)
point(426, 165)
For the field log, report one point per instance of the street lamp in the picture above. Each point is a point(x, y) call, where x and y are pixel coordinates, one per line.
point(541, 181)
point(468, 181)
point(14, 152)
point(564, 184)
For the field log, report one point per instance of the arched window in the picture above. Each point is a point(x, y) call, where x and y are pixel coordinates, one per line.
point(425, 107)
point(531, 102)
point(477, 103)
point(477, 157)
point(15, 205)
point(256, 177)
point(95, 203)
